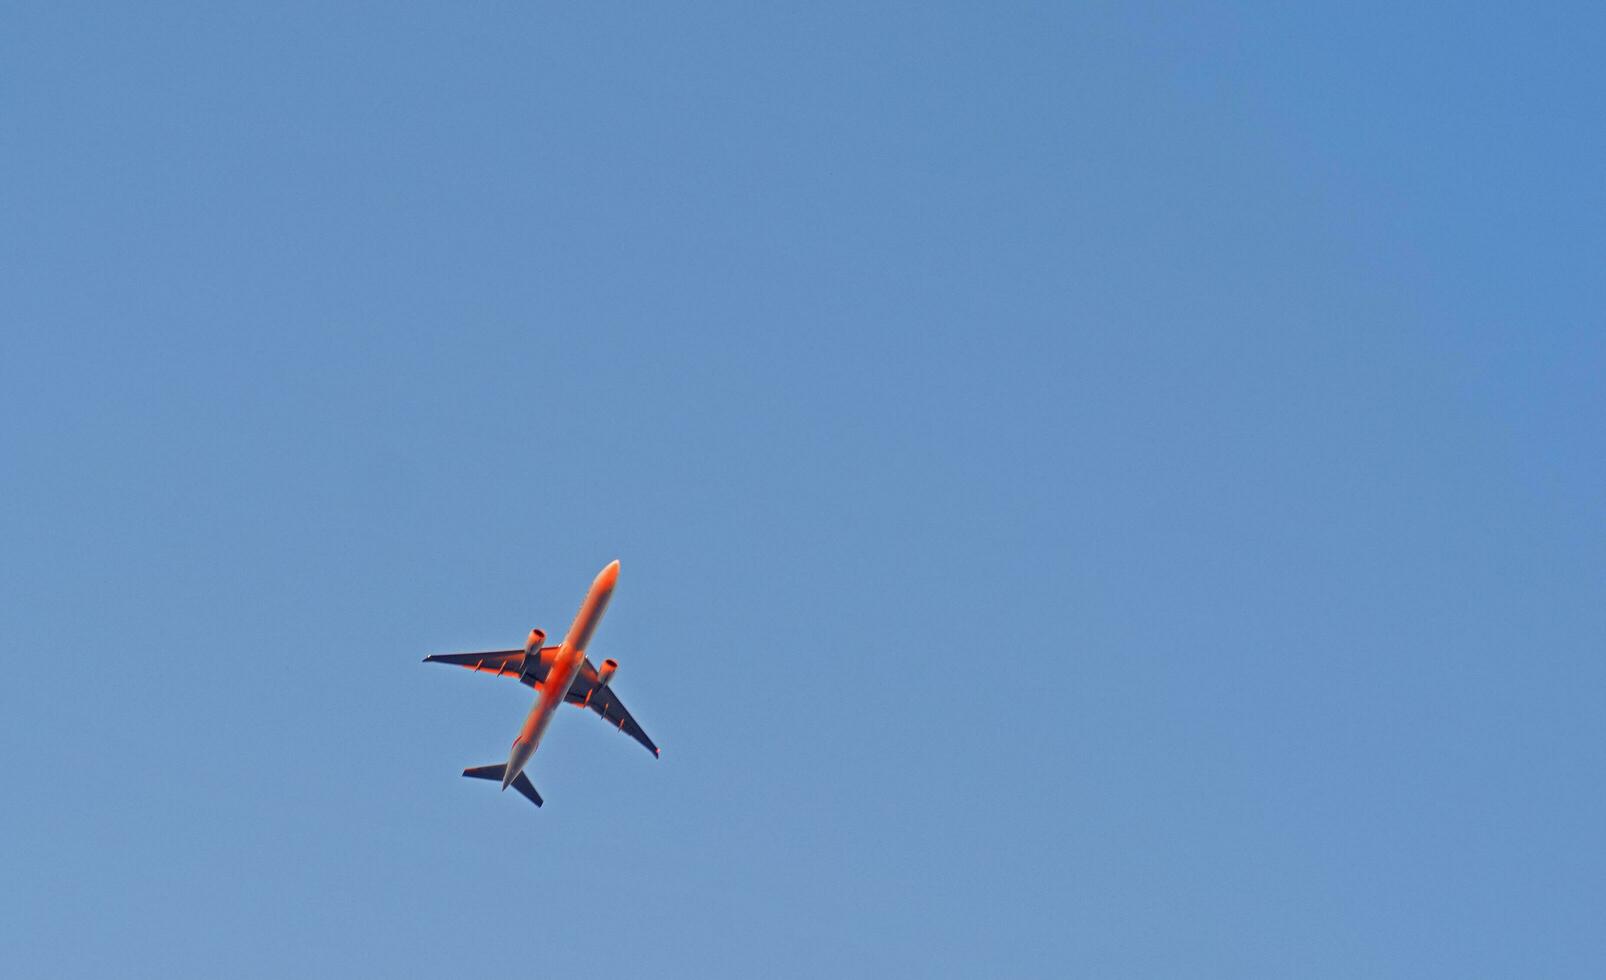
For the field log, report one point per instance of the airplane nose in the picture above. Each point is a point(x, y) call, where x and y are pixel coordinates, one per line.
point(608, 576)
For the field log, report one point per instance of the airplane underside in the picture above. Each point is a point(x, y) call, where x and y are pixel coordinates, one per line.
point(559, 674)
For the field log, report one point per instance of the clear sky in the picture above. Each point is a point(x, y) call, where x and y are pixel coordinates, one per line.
point(1108, 490)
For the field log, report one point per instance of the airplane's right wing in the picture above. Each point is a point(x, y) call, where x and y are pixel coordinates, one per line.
point(502, 663)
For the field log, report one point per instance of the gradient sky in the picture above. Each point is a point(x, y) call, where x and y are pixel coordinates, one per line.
point(1103, 490)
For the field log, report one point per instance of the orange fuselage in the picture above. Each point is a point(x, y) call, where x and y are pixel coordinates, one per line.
point(565, 668)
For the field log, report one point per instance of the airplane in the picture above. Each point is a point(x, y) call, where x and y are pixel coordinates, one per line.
point(558, 674)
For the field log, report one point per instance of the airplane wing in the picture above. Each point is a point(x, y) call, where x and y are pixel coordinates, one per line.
point(502, 663)
point(587, 693)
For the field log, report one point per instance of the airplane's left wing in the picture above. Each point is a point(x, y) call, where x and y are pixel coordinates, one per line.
point(600, 698)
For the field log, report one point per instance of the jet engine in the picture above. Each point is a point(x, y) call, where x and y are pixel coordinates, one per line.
point(536, 638)
point(605, 672)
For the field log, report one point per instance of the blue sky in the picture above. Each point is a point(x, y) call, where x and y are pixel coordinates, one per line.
point(1107, 490)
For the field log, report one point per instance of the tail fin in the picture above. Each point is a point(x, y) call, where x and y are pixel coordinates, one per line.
point(521, 782)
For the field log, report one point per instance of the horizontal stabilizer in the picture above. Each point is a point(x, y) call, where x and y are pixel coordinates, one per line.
point(521, 782)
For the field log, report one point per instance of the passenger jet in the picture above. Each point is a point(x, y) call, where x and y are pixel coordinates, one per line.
point(558, 674)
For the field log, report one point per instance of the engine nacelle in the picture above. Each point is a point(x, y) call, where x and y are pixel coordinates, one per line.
point(605, 672)
point(534, 641)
